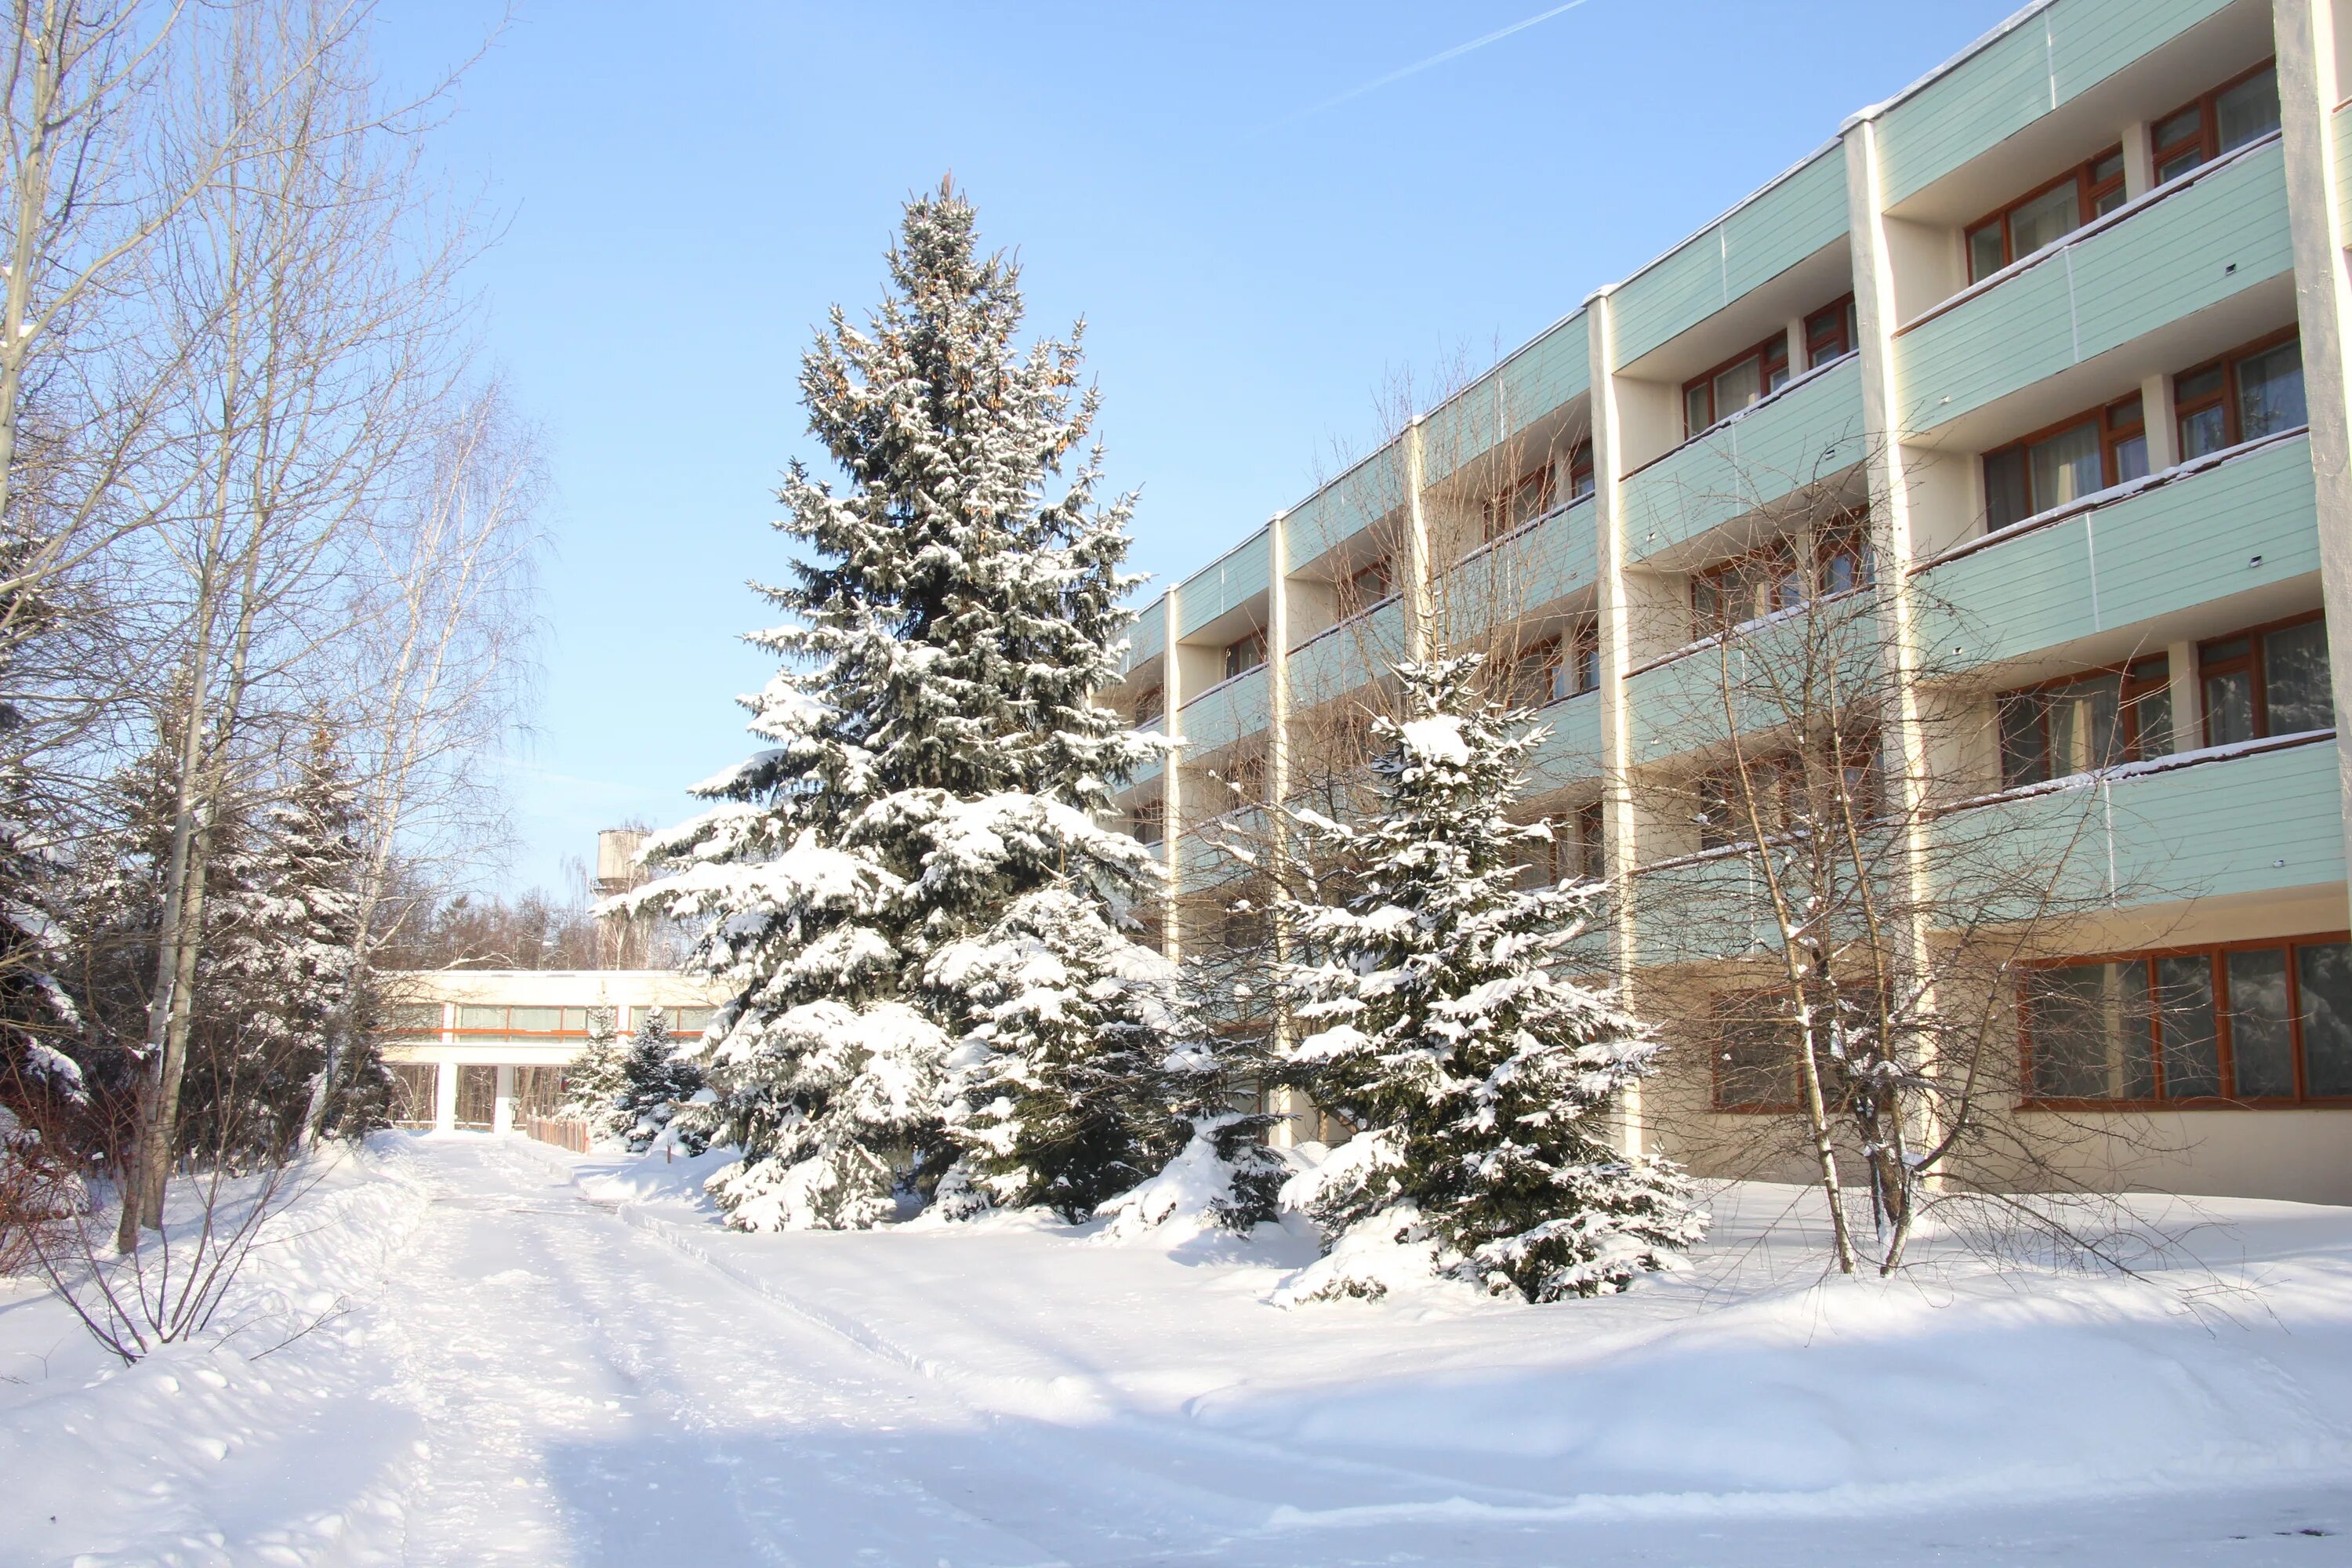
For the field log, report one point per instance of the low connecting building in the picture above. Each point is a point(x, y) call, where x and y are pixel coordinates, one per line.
point(2050, 345)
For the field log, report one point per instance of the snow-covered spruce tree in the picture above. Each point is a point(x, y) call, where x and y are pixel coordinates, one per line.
point(656, 1081)
point(594, 1080)
point(1434, 1019)
point(929, 802)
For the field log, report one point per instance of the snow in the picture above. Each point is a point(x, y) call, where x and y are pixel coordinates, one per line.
point(1436, 738)
point(551, 1360)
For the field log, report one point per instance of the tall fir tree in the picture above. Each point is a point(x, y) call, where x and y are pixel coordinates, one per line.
point(656, 1083)
point(594, 1080)
point(1434, 1016)
point(929, 802)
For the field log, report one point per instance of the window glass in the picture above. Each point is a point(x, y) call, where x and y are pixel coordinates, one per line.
point(1694, 410)
point(2192, 1051)
point(536, 1019)
point(2260, 1048)
point(2229, 707)
point(414, 1016)
point(471, 1017)
point(2270, 392)
point(1736, 388)
point(2179, 127)
point(2044, 220)
point(690, 1020)
point(2249, 110)
point(2089, 1024)
point(2083, 732)
point(2065, 467)
point(2324, 983)
point(2131, 459)
point(1984, 252)
point(2022, 758)
point(2295, 678)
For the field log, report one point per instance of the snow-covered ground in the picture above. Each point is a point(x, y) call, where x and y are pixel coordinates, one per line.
point(552, 1360)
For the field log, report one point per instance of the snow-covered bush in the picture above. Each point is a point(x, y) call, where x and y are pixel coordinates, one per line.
point(1434, 1018)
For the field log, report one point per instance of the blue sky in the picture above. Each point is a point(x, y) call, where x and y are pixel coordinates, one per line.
point(685, 190)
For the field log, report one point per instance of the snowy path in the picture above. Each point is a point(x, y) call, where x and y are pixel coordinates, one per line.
point(594, 1395)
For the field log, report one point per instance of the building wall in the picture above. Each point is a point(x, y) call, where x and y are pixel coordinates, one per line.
point(1943, 372)
point(446, 1029)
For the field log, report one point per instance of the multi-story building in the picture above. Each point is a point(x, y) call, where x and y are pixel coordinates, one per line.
point(2063, 326)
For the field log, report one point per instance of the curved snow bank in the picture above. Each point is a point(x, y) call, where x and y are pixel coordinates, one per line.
point(261, 1441)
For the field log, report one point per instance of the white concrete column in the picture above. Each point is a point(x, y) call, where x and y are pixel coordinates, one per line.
point(2156, 413)
point(2188, 702)
point(1419, 601)
point(1172, 774)
point(444, 1097)
point(2310, 86)
point(1903, 731)
point(1795, 347)
point(1614, 630)
point(502, 1108)
point(2139, 161)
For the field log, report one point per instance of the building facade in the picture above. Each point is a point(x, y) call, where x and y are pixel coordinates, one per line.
point(2060, 330)
point(483, 1051)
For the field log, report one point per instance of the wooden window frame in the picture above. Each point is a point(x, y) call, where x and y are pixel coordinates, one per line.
point(2131, 689)
point(1500, 513)
point(2227, 394)
point(1150, 704)
point(2113, 433)
point(1153, 814)
point(2252, 662)
point(1254, 640)
point(2090, 190)
point(1768, 352)
point(462, 1029)
point(1831, 332)
point(1760, 569)
point(2223, 1028)
point(1579, 470)
point(1380, 572)
point(2206, 143)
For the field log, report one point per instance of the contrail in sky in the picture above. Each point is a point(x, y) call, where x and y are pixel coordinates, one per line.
point(1439, 58)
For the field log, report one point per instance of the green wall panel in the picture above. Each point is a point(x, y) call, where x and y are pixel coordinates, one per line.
point(1808, 432)
point(2247, 523)
point(1225, 712)
point(2049, 56)
point(2203, 244)
point(1217, 587)
point(1755, 242)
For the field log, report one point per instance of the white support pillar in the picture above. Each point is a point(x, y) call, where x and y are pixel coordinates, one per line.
point(1419, 603)
point(1614, 631)
point(444, 1097)
point(502, 1108)
point(2310, 87)
point(1171, 773)
point(2139, 161)
point(1883, 422)
point(2156, 419)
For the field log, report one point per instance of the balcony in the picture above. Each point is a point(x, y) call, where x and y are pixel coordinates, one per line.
point(1572, 752)
point(1342, 657)
point(2180, 249)
point(1238, 706)
point(2253, 819)
point(1807, 431)
point(1533, 565)
point(2234, 522)
point(1676, 703)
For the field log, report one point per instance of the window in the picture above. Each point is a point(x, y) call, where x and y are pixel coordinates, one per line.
point(2241, 396)
point(1831, 332)
point(1368, 585)
point(1557, 668)
point(2249, 1023)
point(2064, 463)
point(1150, 822)
point(1734, 384)
point(1574, 852)
point(1842, 555)
point(415, 1019)
point(526, 1021)
point(1590, 863)
point(688, 1021)
point(1579, 470)
point(1527, 498)
point(2267, 681)
point(2242, 111)
point(2082, 725)
point(1785, 791)
point(1744, 588)
point(1245, 653)
point(1150, 705)
point(2047, 216)
point(1244, 779)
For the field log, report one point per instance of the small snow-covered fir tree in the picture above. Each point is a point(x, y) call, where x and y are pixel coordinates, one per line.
point(925, 816)
point(594, 1080)
point(655, 1083)
point(1433, 1018)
